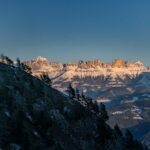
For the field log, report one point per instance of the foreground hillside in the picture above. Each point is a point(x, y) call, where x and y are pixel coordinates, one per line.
point(35, 116)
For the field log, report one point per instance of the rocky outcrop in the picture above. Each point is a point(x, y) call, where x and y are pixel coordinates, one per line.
point(97, 67)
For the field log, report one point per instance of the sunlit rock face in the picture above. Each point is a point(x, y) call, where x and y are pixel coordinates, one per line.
point(94, 74)
point(97, 67)
point(41, 65)
point(96, 78)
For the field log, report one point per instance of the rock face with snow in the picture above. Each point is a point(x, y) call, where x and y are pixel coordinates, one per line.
point(85, 68)
point(41, 65)
point(96, 74)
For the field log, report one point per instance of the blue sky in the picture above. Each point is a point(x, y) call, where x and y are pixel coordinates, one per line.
point(65, 30)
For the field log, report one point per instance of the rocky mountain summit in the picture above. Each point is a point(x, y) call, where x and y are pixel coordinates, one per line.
point(85, 68)
point(119, 73)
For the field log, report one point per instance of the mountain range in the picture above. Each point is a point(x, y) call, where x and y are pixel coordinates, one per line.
point(35, 116)
point(123, 86)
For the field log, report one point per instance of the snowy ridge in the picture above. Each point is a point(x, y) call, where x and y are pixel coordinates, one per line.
point(83, 69)
point(94, 77)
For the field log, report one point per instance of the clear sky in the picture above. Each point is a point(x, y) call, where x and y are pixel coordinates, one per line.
point(64, 30)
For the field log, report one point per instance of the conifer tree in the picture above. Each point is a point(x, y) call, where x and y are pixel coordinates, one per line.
point(71, 91)
point(18, 62)
point(83, 96)
point(2, 58)
point(23, 66)
point(6, 60)
point(117, 131)
point(95, 107)
point(77, 94)
point(26, 68)
point(89, 102)
point(45, 78)
point(129, 141)
point(103, 113)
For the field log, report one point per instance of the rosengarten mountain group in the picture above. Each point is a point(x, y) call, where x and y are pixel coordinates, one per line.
point(85, 105)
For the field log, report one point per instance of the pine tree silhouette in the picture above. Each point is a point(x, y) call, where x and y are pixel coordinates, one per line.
point(45, 78)
point(71, 91)
point(103, 113)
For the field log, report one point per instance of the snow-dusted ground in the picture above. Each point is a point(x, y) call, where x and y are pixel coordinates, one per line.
point(117, 112)
point(103, 100)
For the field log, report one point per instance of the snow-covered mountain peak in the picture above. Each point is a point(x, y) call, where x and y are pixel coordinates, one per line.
point(85, 68)
point(139, 63)
point(40, 58)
